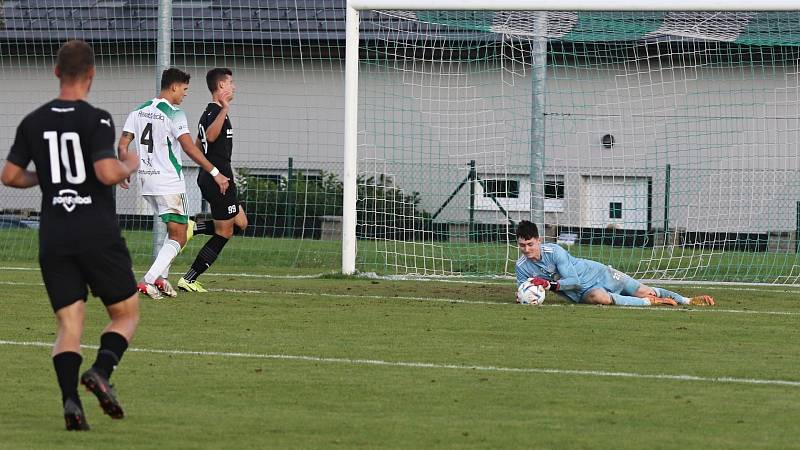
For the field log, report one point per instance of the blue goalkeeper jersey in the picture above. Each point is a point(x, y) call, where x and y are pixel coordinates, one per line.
point(574, 275)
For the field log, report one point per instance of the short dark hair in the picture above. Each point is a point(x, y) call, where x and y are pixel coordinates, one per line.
point(527, 230)
point(172, 75)
point(75, 59)
point(215, 75)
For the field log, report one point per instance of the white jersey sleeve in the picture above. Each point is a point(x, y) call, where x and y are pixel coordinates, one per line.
point(130, 123)
point(180, 125)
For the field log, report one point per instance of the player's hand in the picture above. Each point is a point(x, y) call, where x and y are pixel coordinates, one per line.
point(539, 281)
point(226, 98)
point(222, 182)
point(131, 161)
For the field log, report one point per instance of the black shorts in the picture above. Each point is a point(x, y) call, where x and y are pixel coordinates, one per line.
point(223, 206)
point(106, 270)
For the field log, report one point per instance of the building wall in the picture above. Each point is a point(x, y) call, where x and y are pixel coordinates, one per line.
point(731, 143)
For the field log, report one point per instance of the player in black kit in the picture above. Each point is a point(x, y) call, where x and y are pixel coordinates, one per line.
point(215, 137)
point(71, 143)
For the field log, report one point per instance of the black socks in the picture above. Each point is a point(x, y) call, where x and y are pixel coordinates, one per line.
point(67, 365)
point(112, 346)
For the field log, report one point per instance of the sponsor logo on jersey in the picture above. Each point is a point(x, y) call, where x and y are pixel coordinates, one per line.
point(106, 122)
point(69, 199)
point(230, 133)
point(151, 115)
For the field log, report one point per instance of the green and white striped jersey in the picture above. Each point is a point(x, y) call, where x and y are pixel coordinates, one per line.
point(156, 126)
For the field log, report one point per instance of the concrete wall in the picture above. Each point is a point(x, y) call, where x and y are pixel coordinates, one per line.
point(730, 135)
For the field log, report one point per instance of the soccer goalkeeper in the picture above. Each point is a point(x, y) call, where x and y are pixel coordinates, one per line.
point(586, 281)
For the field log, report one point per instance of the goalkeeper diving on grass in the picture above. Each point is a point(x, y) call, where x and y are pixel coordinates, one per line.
point(586, 281)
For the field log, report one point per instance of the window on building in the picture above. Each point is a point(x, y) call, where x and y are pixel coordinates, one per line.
point(615, 210)
point(501, 188)
point(554, 186)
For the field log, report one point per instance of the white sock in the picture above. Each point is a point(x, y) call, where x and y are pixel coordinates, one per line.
point(165, 272)
point(164, 259)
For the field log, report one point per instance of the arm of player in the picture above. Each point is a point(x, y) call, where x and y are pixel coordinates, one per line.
point(213, 130)
point(568, 280)
point(197, 156)
point(122, 151)
point(18, 177)
point(111, 170)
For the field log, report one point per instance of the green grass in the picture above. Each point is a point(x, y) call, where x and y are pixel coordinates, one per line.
point(459, 336)
point(307, 256)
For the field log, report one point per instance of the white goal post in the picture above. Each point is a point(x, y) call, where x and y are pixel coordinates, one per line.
point(351, 115)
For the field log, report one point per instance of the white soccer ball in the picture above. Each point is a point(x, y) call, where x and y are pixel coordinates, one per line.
point(530, 294)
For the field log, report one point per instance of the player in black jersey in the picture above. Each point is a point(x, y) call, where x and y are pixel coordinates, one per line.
point(71, 144)
point(215, 137)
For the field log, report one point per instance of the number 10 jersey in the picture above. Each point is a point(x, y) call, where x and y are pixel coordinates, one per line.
point(64, 139)
point(156, 126)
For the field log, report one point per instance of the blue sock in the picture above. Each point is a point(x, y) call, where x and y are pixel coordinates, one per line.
point(626, 300)
point(661, 292)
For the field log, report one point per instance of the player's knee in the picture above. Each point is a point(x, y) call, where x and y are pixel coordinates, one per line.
point(70, 328)
point(597, 297)
point(240, 221)
point(226, 232)
point(178, 235)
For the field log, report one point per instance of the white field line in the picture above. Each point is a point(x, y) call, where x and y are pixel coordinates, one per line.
point(504, 281)
point(441, 366)
point(471, 302)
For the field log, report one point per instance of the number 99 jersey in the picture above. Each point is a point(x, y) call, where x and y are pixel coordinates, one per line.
point(64, 139)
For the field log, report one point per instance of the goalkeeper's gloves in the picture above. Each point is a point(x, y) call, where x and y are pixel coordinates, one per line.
point(549, 285)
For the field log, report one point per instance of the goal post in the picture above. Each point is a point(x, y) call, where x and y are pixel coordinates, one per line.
point(656, 141)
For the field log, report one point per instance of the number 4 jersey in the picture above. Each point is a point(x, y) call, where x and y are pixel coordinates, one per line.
point(156, 126)
point(64, 139)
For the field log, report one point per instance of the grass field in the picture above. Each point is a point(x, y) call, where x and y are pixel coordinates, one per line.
point(333, 362)
point(308, 256)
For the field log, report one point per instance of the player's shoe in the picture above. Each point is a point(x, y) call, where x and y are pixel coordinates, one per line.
point(702, 300)
point(165, 287)
point(74, 417)
point(191, 286)
point(150, 290)
point(664, 301)
point(98, 385)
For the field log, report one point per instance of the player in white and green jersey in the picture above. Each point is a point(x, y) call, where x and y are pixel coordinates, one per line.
point(158, 125)
point(156, 129)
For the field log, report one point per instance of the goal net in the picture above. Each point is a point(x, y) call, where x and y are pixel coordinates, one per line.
point(662, 143)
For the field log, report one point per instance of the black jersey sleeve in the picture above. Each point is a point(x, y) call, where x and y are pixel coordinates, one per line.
point(208, 117)
point(102, 137)
point(20, 153)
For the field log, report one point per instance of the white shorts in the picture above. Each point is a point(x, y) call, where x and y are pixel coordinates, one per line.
point(170, 207)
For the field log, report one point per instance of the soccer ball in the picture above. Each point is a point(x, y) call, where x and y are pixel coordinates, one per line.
point(530, 294)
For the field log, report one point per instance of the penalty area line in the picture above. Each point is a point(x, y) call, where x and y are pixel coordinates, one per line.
point(439, 366)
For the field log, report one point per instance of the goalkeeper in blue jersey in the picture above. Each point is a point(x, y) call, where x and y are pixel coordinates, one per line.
point(586, 281)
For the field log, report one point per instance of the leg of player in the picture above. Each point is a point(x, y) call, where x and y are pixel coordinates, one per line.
point(209, 227)
point(114, 341)
point(224, 231)
point(67, 362)
point(603, 297)
point(155, 282)
point(700, 300)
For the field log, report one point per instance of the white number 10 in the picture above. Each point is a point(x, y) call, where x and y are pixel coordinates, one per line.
point(56, 156)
